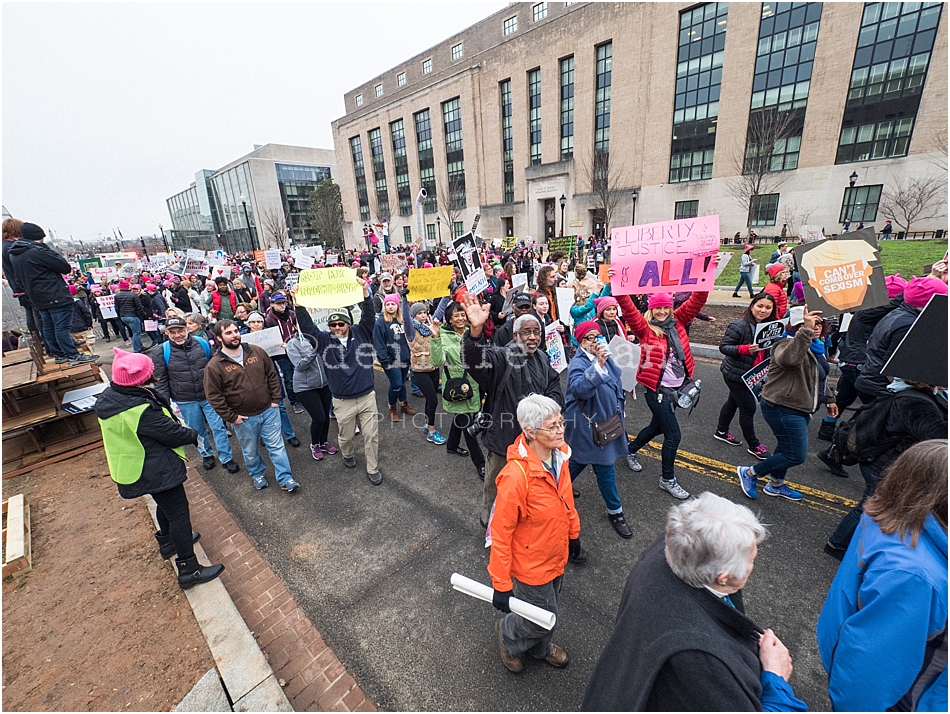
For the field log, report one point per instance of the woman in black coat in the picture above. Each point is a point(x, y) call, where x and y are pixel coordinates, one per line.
point(143, 443)
point(741, 355)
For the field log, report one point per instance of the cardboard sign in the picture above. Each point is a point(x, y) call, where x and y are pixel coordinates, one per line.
point(922, 355)
point(626, 355)
point(332, 259)
point(565, 301)
point(195, 265)
point(107, 306)
point(85, 264)
point(768, 333)
point(195, 254)
point(810, 234)
point(755, 378)
point(469, 263)
point(259, 256)
point(329, 288)
point(269, 340)
point(272, 259)
point(427, 283)
point(220, 271)
point(151, 325)
point(217, 257)
point(602, 273)
point(291, 280)
point(393, 263)
point(508, 243)
point(842, 273)
point(555, 347)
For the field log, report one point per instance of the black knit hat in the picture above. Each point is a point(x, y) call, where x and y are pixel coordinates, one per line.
point(31, 231)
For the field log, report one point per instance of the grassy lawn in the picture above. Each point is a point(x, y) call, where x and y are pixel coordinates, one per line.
point(907, 257)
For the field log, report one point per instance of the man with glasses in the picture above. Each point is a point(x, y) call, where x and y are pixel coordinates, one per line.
point(505, 375)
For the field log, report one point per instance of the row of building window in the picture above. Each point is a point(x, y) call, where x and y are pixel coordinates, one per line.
point(456, 51)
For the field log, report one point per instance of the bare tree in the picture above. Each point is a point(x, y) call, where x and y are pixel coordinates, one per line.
point(796, 215)
point(274, 222)
point(607, 181)
point(759, 160)
point(450, 206)
point(938, 152)
point(910, 199)
point(326, 213)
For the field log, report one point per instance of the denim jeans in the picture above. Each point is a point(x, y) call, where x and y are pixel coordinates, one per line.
point(263, 427)
point(745, 279)
point(135, 325)
point(285, 369)
point(201, 417)
point(790, 427)
point(56, 324)
point(174, 519)
point(285, 425)
point(397, 384)
point(663, 422)
point(606, 482)
point(841, 538)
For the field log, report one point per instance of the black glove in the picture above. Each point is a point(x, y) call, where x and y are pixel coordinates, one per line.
point(575, 552)
point(500, 600)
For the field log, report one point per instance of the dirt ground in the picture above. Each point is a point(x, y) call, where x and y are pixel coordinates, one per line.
point(710, 333)
point(99, 624)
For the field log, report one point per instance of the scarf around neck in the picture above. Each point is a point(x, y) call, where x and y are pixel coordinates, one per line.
point(672, 336)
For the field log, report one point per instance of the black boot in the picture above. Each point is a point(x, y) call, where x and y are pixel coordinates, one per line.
point(165, 546)
point(191, 572)
point(826, 432)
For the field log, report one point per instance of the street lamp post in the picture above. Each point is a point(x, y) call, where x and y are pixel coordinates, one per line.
point(633, 195)
point(438, 226)
point(144, 249)
point(247, 221)
point(563, 201)
point(852, 179)
point(164, 240)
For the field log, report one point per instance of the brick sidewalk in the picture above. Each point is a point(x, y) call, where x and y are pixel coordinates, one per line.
point(315, 679)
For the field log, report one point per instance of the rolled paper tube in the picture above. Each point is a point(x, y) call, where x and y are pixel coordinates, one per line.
point(533, 613)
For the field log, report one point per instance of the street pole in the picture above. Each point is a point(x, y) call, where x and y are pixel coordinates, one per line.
point(247, 221)
point(633, 218)
point(144, 249)
point(164, 240)
point(563, 201)
point(438, 226)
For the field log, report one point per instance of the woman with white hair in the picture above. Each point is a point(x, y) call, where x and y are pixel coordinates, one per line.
point(533, 528)
point(682, 641)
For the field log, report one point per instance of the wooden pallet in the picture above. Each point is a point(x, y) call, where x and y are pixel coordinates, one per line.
point(17, 554)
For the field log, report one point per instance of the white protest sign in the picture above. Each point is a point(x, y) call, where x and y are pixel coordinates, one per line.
point(626, 355)
point(103, 275)
point(220, 271)
point(269, 340)
point(768, 333)
point(195, 254)
point(272, 259)
point(555, 347)
point(107, 306)
point(519, 281)
point(217, 257)
point(565, 301)
point(724, 259)
point(151, 325)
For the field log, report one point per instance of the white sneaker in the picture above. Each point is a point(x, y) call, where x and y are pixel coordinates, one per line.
point(674, 489)
point(632, 463)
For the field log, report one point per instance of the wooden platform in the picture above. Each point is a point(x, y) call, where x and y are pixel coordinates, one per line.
point(17, 553)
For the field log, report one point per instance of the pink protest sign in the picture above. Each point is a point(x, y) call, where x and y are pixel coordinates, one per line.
point(665, 257)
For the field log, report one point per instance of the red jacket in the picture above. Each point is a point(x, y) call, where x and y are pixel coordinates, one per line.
point(654, 347)
point(216, 301)
point(781, 299)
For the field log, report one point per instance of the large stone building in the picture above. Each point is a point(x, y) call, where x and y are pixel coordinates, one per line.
point(764, 114)
point(257, 201)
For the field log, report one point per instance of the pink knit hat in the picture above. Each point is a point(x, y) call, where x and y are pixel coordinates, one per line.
point(123, 285)
point(895, 285)
point(660, 300)
point(919, 290)
point(73, 290)
point(602, 303)
point(131, 369)
point(96, 288)
point(392, 297)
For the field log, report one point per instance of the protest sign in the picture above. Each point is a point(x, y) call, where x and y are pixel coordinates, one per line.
point(626, 355)
point(810, 234)
point(519, 281)
point(259, 256)
point(755, 378)
point(195, 264)
point(602, 273)
point(304, 262)
point(669, 256)
point(922, 355)
point(842, 273)
point(565, 244)
point(328, 287)
point(508, 243)
point(218, 271)
point(107, 306)
point(272, 259)
point(103, 275)
point(151, 325)
point(555, 347)
point(565, 301)
point(470, 264)
point(291, 280)
point(427, 283)
point(269, 340)
point(217, 257)
point(195, 254)
point(85, 264)
point(332, 259)
point(724, 259)
point(768, 333)
point(393, 262)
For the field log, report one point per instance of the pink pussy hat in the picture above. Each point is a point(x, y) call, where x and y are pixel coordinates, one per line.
point(131, 369)
point(660, 300)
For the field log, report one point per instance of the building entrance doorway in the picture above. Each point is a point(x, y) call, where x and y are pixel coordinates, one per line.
point(550, 218)
point(599, 223)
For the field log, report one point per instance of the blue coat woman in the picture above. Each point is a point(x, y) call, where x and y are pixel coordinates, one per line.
point(594, 394)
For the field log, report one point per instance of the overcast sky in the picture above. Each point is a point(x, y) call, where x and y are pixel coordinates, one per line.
point(109, 109)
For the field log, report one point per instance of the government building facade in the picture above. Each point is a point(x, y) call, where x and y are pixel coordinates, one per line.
point(578, 117)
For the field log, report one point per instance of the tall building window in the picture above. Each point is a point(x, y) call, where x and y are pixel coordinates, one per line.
point(426, 66)
point(567, 108)
point(227, 187)
point(401, 161)
point(430, 232)
point(454, 156)
point(379, 173)
point(356, 149)
point(860, 203)
point(507, 143)
point(359, 100)
point(686, 209)
point(890, 67)
point(426, 160)
point(702, 37)
point(459, 228)
point(457, 51)
point(534, 116)
point(379, 90)
point(296, 182)
point(764, 210)
point(539, 11)
point(511, 25)
point(407, 234)
point(788, 34)
point(601, 159)
point(400, 79)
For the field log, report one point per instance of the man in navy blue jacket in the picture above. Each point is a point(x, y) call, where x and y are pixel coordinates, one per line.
point(348, 354)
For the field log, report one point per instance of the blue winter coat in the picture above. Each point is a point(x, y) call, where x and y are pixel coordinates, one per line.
point(874, 652)
point(600, 398)
point(389, 340)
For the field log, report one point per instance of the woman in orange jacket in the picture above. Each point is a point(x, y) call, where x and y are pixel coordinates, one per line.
point(533, 530)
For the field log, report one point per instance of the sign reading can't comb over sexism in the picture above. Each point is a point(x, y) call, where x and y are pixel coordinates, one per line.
point(665, 257)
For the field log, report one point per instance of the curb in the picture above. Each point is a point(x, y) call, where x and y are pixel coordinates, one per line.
point(706, 351)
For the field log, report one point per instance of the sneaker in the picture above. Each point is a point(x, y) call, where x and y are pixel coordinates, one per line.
point(633, 464)
point(760, 452)
point(674, 489)
point(375, 479)
point(620, 525)
point(60, 360)
point(783, 491)
point(835, 552)
point(332, 414)
point(82, 359)
point(207, 463)
point(128, 343)
point(294, 441)
point(328, 448)
point(836, 468)
point(747, 480)
point(260, 482)
point(298, 408)
point(349, 462)
point(232, 467)
point(727, 437)
point(357, 430)
point(289, 486)
point(435, 437)
point(316, 452)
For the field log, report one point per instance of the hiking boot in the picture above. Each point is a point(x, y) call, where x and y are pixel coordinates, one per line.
point(511, 662)
point(231, 467)
point(747, 481)
point(760, 452)
point(826, 431)
point(727, 437)
point(620, 525)
point(836, 468)
point(375, 478)
point(782, 491)
point(674, 489)
point(558, 657)
point(329, 449)
point(294, 441)
point(393, 412)
point(207, 463)
point(406, 409)
point(349, 462)
point(191, 573)
point(316, 452)
point(166, 548)
point(633, 464)
point(435, 437)
point(289, 486)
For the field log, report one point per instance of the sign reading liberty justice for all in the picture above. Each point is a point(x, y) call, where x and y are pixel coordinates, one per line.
point(669, 256)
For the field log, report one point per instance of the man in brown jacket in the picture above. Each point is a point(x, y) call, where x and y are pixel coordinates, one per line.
point(242, 386)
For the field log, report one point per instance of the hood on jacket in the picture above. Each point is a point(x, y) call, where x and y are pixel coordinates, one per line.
point(21, 246)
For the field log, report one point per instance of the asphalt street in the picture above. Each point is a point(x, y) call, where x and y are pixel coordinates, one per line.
point(370, 565)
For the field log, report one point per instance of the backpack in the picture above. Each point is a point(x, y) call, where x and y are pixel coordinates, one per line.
point(167, 349)
point(863, 438)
